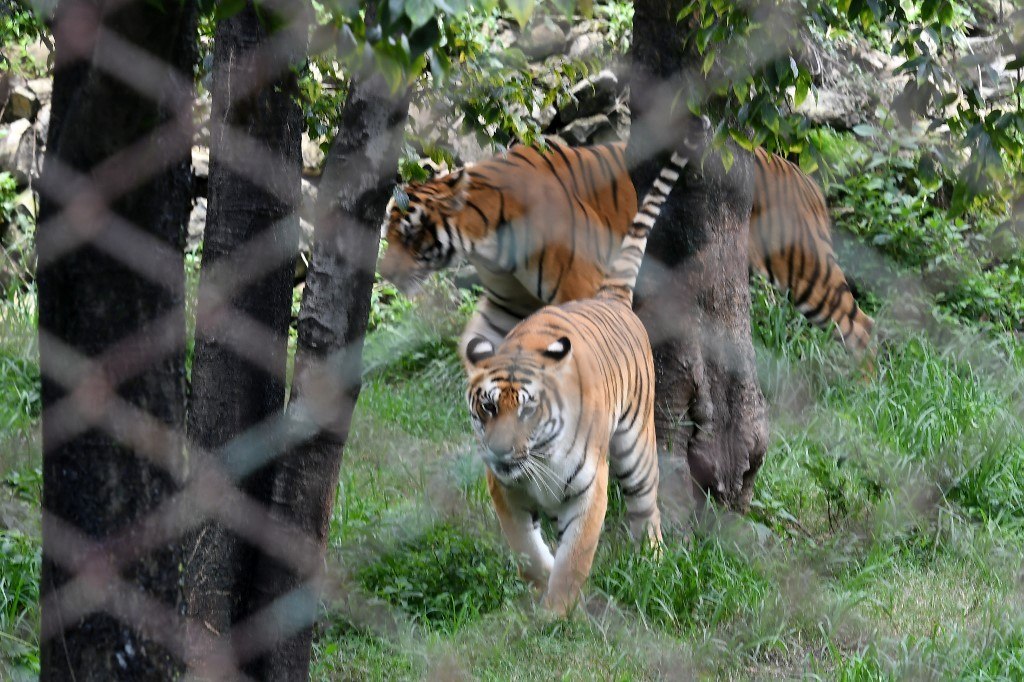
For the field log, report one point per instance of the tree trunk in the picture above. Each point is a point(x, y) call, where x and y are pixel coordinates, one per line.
point(112, 146)
point(248, 202)
point(332, 322)
point(693, 292)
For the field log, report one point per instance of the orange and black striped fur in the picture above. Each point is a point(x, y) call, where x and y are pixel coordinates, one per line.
point(564, 399)
point(540, 228)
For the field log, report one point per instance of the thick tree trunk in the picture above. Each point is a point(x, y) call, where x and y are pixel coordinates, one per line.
point(332, 322)
point(693, 291)
point(248, 202)
point(93, 303)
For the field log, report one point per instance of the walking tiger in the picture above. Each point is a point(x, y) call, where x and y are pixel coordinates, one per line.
point(540, 227)
point(565, 398)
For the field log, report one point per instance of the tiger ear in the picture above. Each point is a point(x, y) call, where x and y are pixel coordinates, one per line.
point(479, 349)
point(558, 350)
point(458, 183)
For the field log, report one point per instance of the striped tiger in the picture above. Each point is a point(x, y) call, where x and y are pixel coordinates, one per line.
point(567, 396)
point(562, 214)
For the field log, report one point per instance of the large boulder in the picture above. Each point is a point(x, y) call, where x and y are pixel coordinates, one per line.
point(543, 39)
point(20, 151)
point(596, 94)
point(589, 130)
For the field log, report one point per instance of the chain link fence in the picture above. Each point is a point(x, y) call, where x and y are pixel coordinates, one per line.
point(115, 393)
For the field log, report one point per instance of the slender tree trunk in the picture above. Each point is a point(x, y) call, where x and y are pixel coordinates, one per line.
point(249, 202)
point(693, 291)
point(93, 303)
point(332, 322)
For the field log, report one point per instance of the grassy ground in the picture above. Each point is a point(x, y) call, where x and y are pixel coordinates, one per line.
point(885, 539)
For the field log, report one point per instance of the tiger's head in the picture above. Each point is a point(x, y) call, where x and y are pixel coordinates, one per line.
point(419, 227)
point(515, 402)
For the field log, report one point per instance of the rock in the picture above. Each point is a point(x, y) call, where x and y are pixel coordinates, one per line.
point(5, 90)
point(200, 171)
point(620, 119)
point(840, 110)
point(20, 151)
point(305, 249)
point(23, 103)
point(43, 88)
point(505, 34)
point(307, 207)
point(196, 225)
point(586, 45)
point(583, 130)
point(467, 148)
point(543, 40)
point(584, 27)
point(543, 115)
point(43, 123)
point(312, 157)
point(593, 95)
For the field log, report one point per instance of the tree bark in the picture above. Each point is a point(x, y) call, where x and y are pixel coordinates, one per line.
point(693, 292)
point(92, 303)
point(247, 202)
point(332, 322)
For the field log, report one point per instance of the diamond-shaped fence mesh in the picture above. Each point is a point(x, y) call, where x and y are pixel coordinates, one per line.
point(94, 391)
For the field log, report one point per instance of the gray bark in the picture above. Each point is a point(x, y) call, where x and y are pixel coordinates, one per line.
point(693, 291)
point(332, 322)
point(95, 487)
point(229, 393)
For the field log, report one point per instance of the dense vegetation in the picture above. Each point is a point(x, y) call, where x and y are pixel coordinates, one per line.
point(887, 529)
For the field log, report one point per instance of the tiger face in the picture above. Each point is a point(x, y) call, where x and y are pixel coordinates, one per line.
point(515, 411)
point(420, 229)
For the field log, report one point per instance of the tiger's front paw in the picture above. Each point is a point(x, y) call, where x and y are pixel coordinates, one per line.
point(556, 607)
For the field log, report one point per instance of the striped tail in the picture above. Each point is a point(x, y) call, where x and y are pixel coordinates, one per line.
point(622, 272)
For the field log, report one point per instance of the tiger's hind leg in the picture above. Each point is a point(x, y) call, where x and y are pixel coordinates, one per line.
point(828, 302)
point(634, 463)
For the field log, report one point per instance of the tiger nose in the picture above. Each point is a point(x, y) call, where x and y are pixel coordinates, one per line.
point(501, 452)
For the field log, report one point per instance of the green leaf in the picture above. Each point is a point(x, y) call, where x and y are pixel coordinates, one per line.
point(741, 139)
point(566, 7)
point(946, 13)
point(802, 87)
point(728, 158)
point(709, 60)
point(865, 130)
point(419, 11)
point(521, 10)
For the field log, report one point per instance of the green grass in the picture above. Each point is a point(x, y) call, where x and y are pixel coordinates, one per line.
point(20, 483)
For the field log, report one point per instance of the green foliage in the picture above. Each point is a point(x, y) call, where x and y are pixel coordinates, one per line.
point(445, 578)
point(20, 563)
point(749, 58)
point(20, 24)
point(698, 583)
point(752, 61)
point(493, 92)
point(617, 18)
point(972, 264)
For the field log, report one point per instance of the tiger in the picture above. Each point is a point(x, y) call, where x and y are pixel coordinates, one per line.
point(567, 396)
point(540, 226)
